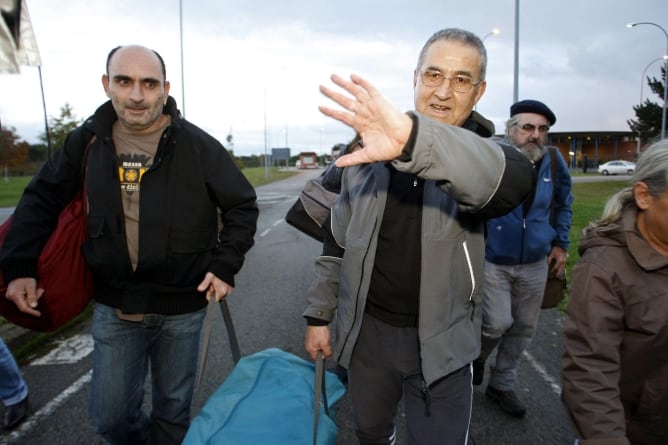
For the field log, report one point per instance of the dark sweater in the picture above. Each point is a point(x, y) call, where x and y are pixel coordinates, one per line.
point(395, 282)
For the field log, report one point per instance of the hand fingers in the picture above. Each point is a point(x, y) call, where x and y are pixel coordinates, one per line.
point(221, 291)
point(357, 86)
point(365, 87)
point(346, 102)
point(339, 115)
point(204, 286)
point(24, 305)
point(355, 158)
point(32, 298)
point(326, 351)
point(221, 295)
point(347, 85)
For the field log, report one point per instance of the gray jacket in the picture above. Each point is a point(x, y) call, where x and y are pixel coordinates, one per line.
point(468, 179)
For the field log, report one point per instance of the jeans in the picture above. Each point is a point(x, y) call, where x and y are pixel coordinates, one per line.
point(13, 388)
point(384, 367)
point(123, 351)
point(511, 307)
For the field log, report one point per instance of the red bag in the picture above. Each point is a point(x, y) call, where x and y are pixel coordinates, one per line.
point(62, 271)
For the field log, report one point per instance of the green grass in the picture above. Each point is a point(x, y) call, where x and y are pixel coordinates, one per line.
point(588, 201)
point(258, 176)
point(12, 187)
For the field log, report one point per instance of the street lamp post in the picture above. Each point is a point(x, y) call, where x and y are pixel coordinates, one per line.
point(665, 75)
point(493, 32)
point(642, 84)
point(516, 62)
point(266, 153)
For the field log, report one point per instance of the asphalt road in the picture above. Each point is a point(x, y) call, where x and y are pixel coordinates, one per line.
point(266, 307)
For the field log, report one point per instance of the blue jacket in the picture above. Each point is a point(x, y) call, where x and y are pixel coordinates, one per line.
point(526, 236)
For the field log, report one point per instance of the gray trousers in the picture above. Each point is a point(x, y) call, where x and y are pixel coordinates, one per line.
point(385, 367)
point(511, 307)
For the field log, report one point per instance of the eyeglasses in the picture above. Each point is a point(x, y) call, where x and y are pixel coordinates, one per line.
point(530, 128)
point(459, 83)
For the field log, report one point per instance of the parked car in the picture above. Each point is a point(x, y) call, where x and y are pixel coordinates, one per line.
point(618, 167)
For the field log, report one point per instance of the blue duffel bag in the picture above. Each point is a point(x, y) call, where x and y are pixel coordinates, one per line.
point(270, 398)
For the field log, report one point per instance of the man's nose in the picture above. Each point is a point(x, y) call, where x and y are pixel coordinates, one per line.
point(136, 93)
point(443, 91)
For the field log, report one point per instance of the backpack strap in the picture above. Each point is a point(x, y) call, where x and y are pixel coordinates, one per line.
point(553, 168)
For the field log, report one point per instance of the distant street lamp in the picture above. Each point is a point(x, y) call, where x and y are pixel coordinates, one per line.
point(642, 84)
point(493, 32)
point(665, 77)
point(516, 56)
point(266, 145)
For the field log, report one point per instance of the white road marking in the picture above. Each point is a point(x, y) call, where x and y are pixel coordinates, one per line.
point(554, 384)
point(68, 351)
point(269, 229)
point(47, 410)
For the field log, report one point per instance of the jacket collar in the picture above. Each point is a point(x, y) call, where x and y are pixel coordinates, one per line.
point(479, 125)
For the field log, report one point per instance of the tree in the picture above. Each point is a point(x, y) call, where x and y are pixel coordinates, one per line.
point(648, 114)
point(13, 150)
point(230, 140)
point(60, 127)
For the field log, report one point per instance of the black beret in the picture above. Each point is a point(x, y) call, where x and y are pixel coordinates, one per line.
point(533, 106)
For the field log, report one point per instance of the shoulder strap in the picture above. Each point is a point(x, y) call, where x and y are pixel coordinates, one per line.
point(553, 167)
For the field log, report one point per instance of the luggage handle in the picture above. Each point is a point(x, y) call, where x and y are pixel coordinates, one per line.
point(206, 336)
point(320, 388)
point(320, 392)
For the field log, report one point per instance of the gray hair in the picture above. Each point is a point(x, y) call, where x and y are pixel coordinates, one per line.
point(510, 123)
point(457, 35)
point(652, 169)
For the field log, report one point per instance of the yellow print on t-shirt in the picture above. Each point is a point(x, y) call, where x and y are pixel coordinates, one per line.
point(130, 174)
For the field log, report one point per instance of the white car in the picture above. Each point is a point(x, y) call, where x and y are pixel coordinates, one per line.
point(618, 167)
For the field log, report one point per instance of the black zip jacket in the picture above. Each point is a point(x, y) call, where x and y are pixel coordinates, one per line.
point(181, 236)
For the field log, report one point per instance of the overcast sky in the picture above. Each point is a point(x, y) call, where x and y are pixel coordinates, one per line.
point(253, 67)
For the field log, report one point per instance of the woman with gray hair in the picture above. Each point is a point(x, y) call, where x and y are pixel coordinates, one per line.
point(615, 362)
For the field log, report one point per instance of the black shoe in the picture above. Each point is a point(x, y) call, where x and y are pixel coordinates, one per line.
point(478, 372)
point(507, 400)
point(14, 414)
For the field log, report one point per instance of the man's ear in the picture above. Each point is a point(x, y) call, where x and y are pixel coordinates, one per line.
point(105, 84)
point(481, 90)
point(167, 87)
point(642, 195)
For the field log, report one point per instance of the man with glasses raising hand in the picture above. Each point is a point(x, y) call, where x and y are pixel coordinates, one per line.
point(520, 247)
point(407, 294)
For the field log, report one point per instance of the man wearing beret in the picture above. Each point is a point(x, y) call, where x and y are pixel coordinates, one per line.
point(520, 248)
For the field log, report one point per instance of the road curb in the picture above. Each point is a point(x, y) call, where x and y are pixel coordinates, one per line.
point(15, 336)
